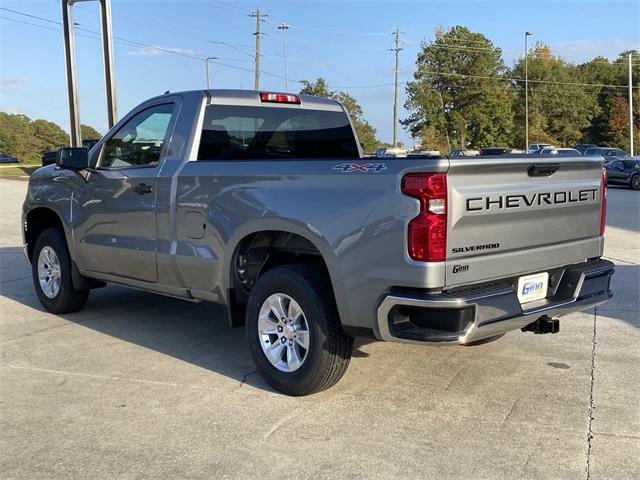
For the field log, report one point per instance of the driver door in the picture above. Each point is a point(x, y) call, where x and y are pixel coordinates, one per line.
point(115, 231)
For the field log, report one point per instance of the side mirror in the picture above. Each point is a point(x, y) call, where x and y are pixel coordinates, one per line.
point(73, 158)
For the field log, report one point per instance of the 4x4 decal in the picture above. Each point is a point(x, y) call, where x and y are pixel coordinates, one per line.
point(360, 167)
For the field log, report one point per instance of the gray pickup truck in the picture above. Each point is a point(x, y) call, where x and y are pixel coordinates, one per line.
point(263, 202)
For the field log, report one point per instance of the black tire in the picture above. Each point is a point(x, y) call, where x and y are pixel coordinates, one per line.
point(635, 182)
point(68, 299)
point(329, 346)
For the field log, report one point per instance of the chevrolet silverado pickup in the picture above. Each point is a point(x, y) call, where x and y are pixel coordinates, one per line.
point(264, 203)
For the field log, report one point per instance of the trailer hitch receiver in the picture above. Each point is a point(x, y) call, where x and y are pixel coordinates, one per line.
point(544, 324)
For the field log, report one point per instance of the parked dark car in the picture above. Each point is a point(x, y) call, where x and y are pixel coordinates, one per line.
point(49, 157)
point(581, 147)
point(6, 158)
point(494, 151)
point(605, 152)
point(622, 171)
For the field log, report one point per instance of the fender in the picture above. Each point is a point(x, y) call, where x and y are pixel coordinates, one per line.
point(307, 232)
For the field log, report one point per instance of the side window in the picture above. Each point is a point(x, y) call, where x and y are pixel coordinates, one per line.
point(139, 142)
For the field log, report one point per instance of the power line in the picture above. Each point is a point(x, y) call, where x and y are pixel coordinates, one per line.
point(343, 32)
point(512, 79)
point(236, 9)
point(168, 30)
point(220, 42)
point(193, 56)
point(325, 64)
point(29, 15)
point(235, 67)
point(53, 29)
point(229, 6)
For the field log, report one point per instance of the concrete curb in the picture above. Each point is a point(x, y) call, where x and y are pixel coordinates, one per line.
point(24, 178)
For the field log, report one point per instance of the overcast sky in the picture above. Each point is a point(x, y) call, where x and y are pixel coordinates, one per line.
point(162, 42)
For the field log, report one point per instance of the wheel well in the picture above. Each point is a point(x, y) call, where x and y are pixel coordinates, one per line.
point(38, 220)
point(260, 251)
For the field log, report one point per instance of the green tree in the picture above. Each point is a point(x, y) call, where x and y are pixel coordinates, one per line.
point(458, 92)
point(366, 133)
point(599, 71)
point(560, 108)
point(26, 139)
point(48, 135)
point(618, 134)
point(17, 139)
point(89, 133)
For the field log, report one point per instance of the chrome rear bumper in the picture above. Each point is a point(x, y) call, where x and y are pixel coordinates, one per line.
point(470, 314)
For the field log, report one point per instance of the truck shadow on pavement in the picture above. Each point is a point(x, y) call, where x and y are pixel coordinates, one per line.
point(196, 333)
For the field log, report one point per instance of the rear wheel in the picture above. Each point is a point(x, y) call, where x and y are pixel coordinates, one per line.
point(51, 272)
point(294, 332)
point(635, 182)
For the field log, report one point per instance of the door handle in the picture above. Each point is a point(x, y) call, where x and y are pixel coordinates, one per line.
point(142, 188)
point(543, 169)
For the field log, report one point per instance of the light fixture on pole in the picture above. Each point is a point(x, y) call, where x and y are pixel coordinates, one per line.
point(526, 90)
point(206, 69)
point(284, 27)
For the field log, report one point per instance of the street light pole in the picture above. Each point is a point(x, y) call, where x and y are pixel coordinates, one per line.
point(526, 90)
point(630, 105)
point(284, 27)
point(206, 69)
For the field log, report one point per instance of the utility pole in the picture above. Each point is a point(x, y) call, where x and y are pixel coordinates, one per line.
point(526, 91)
point(107, 58)
point(258, 15)
point(396, 49)
point(630, 107)
point(206, 69)
point(284, 27)
point(70, 63)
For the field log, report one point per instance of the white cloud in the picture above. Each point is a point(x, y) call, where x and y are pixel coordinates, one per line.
point(11, 83)
point(156, 51)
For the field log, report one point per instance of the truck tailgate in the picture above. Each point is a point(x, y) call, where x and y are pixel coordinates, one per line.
point(510, 215)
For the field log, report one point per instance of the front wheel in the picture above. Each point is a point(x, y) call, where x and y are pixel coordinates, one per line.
point(294, 331)
point(635, 182)
point(51, 272)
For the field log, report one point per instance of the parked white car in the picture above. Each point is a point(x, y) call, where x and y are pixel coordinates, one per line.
point(392, 152)
point(535, 147)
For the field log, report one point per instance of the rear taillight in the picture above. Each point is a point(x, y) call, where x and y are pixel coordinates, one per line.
point(427, 234)
point(271, 97)
point(603, 202)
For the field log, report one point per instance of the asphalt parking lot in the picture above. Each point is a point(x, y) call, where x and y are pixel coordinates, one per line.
point(143, 386)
